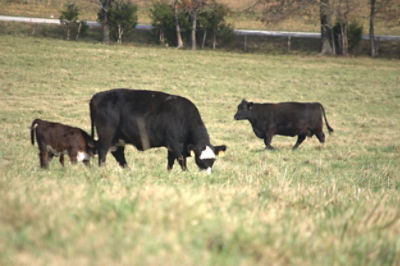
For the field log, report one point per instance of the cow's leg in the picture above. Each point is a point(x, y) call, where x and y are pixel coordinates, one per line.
point(267, 141)
point(62, 159)
point(44, 158)
point(86, 163)
point(104, 143)
point(120, 156)
point(182, 162)
point(72, 156)
point(50, 157)
point(300, 139)
point(171, 160)
point(175, 150)
point(321, 136)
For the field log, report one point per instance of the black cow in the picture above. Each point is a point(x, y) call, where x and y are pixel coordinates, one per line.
point(148, 119)
point(287, 119)
point(55, 139)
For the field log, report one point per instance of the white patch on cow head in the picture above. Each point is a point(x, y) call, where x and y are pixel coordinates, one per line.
point(207, 153)
point(209, 170)
point(82, 156)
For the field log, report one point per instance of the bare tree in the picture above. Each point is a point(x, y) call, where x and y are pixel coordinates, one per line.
point(371, 28)
point(327, 38)
point(389, 11)
point(178, 28)
point(102, 15)
point(193, 7)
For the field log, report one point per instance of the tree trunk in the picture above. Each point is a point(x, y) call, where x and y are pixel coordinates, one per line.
point(105, 4)
point(345, 40)
point(371, 29)
point(68, 30)
point(203, 43)
point(194, 22)
point(79, 30)
point(120, 33)
point(214, 42)
point(344, 28)
point(327, 40)
point(162, 37)
point(178, 28)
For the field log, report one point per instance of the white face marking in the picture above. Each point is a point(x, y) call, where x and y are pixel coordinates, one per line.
point(82, 156)
point(209, 170)
point(207, 153)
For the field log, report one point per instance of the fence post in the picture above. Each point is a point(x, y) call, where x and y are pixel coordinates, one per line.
point(245, 43)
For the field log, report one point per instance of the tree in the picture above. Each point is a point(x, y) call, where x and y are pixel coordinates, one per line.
point(389, 11)
point(177, 26)
point(193, 7)
point(371, 28)
point(69, 16)
point(327, 37)
point(103, 18)
point(122, 18)
point(212, 19)
point(164, 23)
point(162, 16)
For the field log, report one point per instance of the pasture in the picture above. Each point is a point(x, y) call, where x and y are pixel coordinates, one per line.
point(337, 204)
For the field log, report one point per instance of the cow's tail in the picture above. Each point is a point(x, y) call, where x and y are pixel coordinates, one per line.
point(330, 130)
point(92, 118)
point(34, 123)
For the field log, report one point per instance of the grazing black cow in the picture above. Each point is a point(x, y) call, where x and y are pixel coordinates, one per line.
point(149, 119)
point(287, 119)
point(55, 139)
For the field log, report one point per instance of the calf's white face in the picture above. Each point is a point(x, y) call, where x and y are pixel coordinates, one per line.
point(82, 156)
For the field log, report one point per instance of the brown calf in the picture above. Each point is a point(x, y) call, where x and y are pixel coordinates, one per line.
point(55, 139)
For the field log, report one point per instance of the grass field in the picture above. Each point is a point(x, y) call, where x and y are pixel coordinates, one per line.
point(336, 204)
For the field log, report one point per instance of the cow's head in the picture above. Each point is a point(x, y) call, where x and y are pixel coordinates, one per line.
point(205, 155)
point(92, 147)
point(244, 110)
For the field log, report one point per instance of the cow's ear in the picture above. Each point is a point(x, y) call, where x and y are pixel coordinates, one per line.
point(220, 150)
point(244, 101)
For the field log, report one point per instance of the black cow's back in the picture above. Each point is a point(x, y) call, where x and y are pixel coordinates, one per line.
point(146, 118)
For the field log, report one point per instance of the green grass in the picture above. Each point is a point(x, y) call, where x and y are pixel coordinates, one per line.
point(336, 204)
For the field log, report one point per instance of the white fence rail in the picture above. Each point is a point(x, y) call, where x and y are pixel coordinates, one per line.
point(313, 35)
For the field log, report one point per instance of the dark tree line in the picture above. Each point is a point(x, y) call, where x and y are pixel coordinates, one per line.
point(183, 22)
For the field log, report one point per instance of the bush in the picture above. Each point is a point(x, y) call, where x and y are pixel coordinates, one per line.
point(212, 20)
point(163, 21)
point(121, 17)
point(354, 33)
point(69, 17)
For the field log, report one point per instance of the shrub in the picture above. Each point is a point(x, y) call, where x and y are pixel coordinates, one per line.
point(163, 21)
point(121, 17)
point(69, 17)
point(354, 33)
point(212, 20)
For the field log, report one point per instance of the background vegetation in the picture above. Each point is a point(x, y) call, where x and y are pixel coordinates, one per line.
point(242, 16)
point(333, 205)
